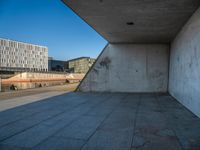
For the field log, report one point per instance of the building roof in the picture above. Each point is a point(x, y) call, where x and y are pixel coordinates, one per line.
point(24, 42)
point(79, 58)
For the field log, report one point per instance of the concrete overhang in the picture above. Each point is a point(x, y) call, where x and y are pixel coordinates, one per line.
point(151, 21)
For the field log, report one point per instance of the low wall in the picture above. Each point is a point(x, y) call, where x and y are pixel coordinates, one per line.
point(129, 68)
point(33, 75)
point(184, 78)
point(27, 80)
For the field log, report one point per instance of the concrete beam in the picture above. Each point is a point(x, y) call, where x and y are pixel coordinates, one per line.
point(154, 21)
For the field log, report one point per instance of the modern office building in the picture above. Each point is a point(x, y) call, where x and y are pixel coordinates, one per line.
point(79, 65)
point(56, 65)
point(20, 56)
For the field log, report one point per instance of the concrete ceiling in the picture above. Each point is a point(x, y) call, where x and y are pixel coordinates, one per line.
point(155, 21)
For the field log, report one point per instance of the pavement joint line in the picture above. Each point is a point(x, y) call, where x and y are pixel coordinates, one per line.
point(79, 139)
point(97, 106)
point(38, 100)
point(37, 112)
point(103, 121)
point(160, 106)
point(35, 94)
point(154, 112)
point(40, 122)
point(68, 123)
point(135, 121)
point(18, 147)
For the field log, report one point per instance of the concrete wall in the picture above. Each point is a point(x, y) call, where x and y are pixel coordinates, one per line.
point(129, 68)
point(184, 81)
point(27, 76)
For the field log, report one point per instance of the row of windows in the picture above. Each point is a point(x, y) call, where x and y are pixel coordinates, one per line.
point(23, 69)
point(5, 48)
point(23, 65)
point(13, 54)
point(21, 57)
point(11, 62)
point(17, 54)
point(20, 45)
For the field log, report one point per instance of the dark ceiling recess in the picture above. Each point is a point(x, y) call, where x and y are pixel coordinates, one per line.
point(130, 23)
point(100, 1)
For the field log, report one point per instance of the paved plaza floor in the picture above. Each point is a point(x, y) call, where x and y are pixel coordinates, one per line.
point(100, 121)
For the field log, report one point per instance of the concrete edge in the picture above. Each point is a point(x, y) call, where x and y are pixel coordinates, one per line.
point(63, 1)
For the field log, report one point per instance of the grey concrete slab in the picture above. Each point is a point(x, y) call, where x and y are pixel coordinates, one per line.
point(131, 101)
point(82, 128)
point(106, 107)
point(21, 125)
point(110, 140)
point(33, 136)
point(122, 118)
point(11, 147)
point(156, 143)
point(11, 103)
point(87, 124)
point(58, 143)
point(116, 131)
point(102, 121)
point(152, 129)
point(184, 123)
point(29, 121)
point(18, 113)
point(153, 21)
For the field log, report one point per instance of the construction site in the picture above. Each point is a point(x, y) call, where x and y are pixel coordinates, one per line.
point(142, 92)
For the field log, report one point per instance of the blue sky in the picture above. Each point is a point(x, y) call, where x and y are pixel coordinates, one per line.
point(49, 23)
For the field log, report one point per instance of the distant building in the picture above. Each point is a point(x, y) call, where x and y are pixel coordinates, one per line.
point(20, 56)
point(79, 65)
point(56, 65)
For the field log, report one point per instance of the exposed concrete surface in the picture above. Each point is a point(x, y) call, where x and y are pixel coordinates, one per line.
point(184, 81)
point(129, 68)
point(100, 121)
point(14, 102)
point(155, 21)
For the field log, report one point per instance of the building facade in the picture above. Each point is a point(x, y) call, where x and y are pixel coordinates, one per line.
point(22, 56)
point(80, 65)
point(56, 65)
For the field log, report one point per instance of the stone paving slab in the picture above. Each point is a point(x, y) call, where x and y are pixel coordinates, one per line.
point(58, 143)
point(100, 121)
point(11, 103)
point(81, 128)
